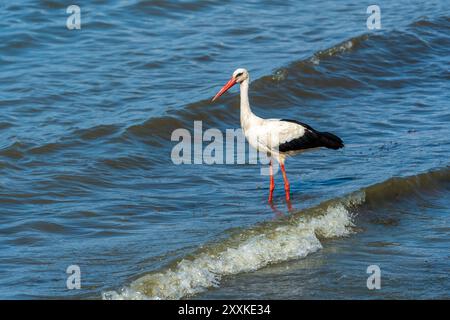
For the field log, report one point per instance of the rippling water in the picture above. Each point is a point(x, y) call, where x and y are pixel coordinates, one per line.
point(87, 179)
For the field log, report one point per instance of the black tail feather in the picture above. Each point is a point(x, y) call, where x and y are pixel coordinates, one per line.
point(330, 140)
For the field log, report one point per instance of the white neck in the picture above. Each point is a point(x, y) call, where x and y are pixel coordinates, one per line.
point(246, 112)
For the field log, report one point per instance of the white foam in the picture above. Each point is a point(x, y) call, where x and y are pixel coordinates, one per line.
point(269, 245)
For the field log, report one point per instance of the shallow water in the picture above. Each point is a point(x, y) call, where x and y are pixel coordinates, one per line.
point(87, 179)
point(412, 266)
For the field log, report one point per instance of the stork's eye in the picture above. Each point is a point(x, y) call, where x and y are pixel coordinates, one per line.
point(239, 74)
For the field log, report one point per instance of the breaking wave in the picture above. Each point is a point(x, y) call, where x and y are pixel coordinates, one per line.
point(247, 251)
point(271, 242)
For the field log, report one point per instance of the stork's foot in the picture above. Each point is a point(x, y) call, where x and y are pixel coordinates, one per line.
point(289, 205)
point(287, 187)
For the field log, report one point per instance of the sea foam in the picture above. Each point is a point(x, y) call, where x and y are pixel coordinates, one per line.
point(249, 250)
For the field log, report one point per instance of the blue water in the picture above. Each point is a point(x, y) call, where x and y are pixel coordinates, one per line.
point(86, 176)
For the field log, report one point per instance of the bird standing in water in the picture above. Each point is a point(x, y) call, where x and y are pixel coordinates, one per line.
point(279, 138)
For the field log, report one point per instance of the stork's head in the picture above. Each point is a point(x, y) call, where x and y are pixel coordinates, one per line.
point(239, 76)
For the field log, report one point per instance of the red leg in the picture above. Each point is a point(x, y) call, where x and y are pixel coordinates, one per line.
point(272, 183)
point(287, 188)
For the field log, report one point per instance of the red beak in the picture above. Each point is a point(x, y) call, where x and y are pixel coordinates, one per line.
point(229, 84)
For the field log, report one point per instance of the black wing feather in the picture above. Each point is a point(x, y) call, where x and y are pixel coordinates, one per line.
point(311, 139)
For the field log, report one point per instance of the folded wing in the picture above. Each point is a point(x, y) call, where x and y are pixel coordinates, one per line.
point(299, 136)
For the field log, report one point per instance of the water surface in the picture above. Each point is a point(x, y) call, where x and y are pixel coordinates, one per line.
point(87, 179)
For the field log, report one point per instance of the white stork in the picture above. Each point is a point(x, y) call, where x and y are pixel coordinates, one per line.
point(279, 138)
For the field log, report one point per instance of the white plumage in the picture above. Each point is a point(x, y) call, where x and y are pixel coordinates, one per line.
point(267, 135)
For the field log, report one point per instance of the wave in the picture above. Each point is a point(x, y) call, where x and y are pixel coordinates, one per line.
point(331, 72)
point(364, 62)
point(271, 242)
point(156, 131)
